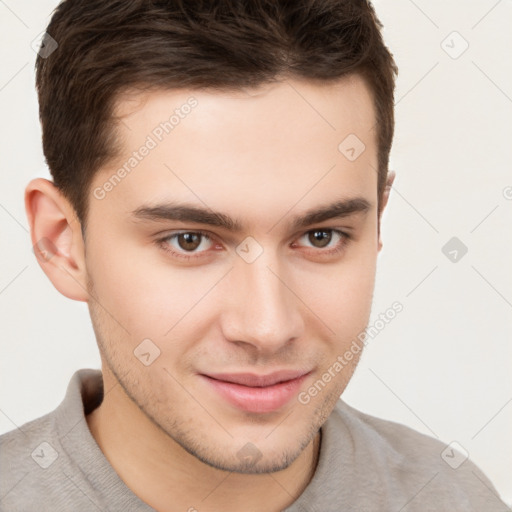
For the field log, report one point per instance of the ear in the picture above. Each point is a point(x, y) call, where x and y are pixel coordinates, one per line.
point(385, 196)
point(56, 238)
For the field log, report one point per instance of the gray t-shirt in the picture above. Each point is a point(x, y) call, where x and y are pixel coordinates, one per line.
point(366, 464)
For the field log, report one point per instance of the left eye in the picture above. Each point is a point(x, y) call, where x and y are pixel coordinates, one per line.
point(322, 237)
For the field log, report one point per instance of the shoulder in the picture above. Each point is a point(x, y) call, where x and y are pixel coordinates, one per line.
point(395, 440)
point(27, 455)
point(427, 472)
point(19, 446)
point(35, 466)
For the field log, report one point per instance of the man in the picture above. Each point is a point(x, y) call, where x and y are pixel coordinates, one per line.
point(220, 171)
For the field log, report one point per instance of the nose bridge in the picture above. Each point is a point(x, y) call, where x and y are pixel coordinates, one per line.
point(263, 311)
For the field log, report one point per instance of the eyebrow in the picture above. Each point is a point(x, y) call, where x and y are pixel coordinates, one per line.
point(187, 212)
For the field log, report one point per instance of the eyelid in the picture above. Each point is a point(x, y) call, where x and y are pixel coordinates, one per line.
point(336, 231)
point(345, 237)
point(334, 250)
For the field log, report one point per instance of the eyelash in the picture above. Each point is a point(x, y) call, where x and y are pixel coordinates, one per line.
point(164, 243)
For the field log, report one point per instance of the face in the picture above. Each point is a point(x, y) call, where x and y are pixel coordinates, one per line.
point(192, 308)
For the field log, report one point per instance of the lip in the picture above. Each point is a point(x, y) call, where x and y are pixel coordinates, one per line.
point(257, 393)
point(256, 381)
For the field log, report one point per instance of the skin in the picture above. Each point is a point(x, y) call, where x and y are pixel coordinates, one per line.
point(171, 438)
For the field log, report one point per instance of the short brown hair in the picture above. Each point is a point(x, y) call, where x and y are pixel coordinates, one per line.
point(108, 46)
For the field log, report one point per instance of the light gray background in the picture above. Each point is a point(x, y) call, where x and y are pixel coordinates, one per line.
point(442, 366)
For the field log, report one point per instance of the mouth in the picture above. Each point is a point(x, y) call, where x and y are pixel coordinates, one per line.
point(256, 393)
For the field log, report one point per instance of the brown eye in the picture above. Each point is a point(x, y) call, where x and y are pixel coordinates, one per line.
point(320, 237)
point(189, 241)
point(187, 244)
point(324, 242)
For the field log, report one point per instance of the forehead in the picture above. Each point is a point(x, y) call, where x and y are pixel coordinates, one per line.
point(250, 149)
point(337, 105)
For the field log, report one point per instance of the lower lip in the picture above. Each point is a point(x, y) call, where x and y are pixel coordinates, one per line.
point(259, 400)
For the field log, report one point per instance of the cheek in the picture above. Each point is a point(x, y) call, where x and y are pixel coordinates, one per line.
point(147, 297)
point(341, 294)
point(138, 294)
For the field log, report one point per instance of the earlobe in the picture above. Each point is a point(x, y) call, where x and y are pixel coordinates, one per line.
point(56, 238)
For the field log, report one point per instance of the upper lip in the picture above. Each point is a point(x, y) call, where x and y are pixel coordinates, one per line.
point(254, 380)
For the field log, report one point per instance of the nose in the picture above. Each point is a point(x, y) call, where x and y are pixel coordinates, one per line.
point(263, 306)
